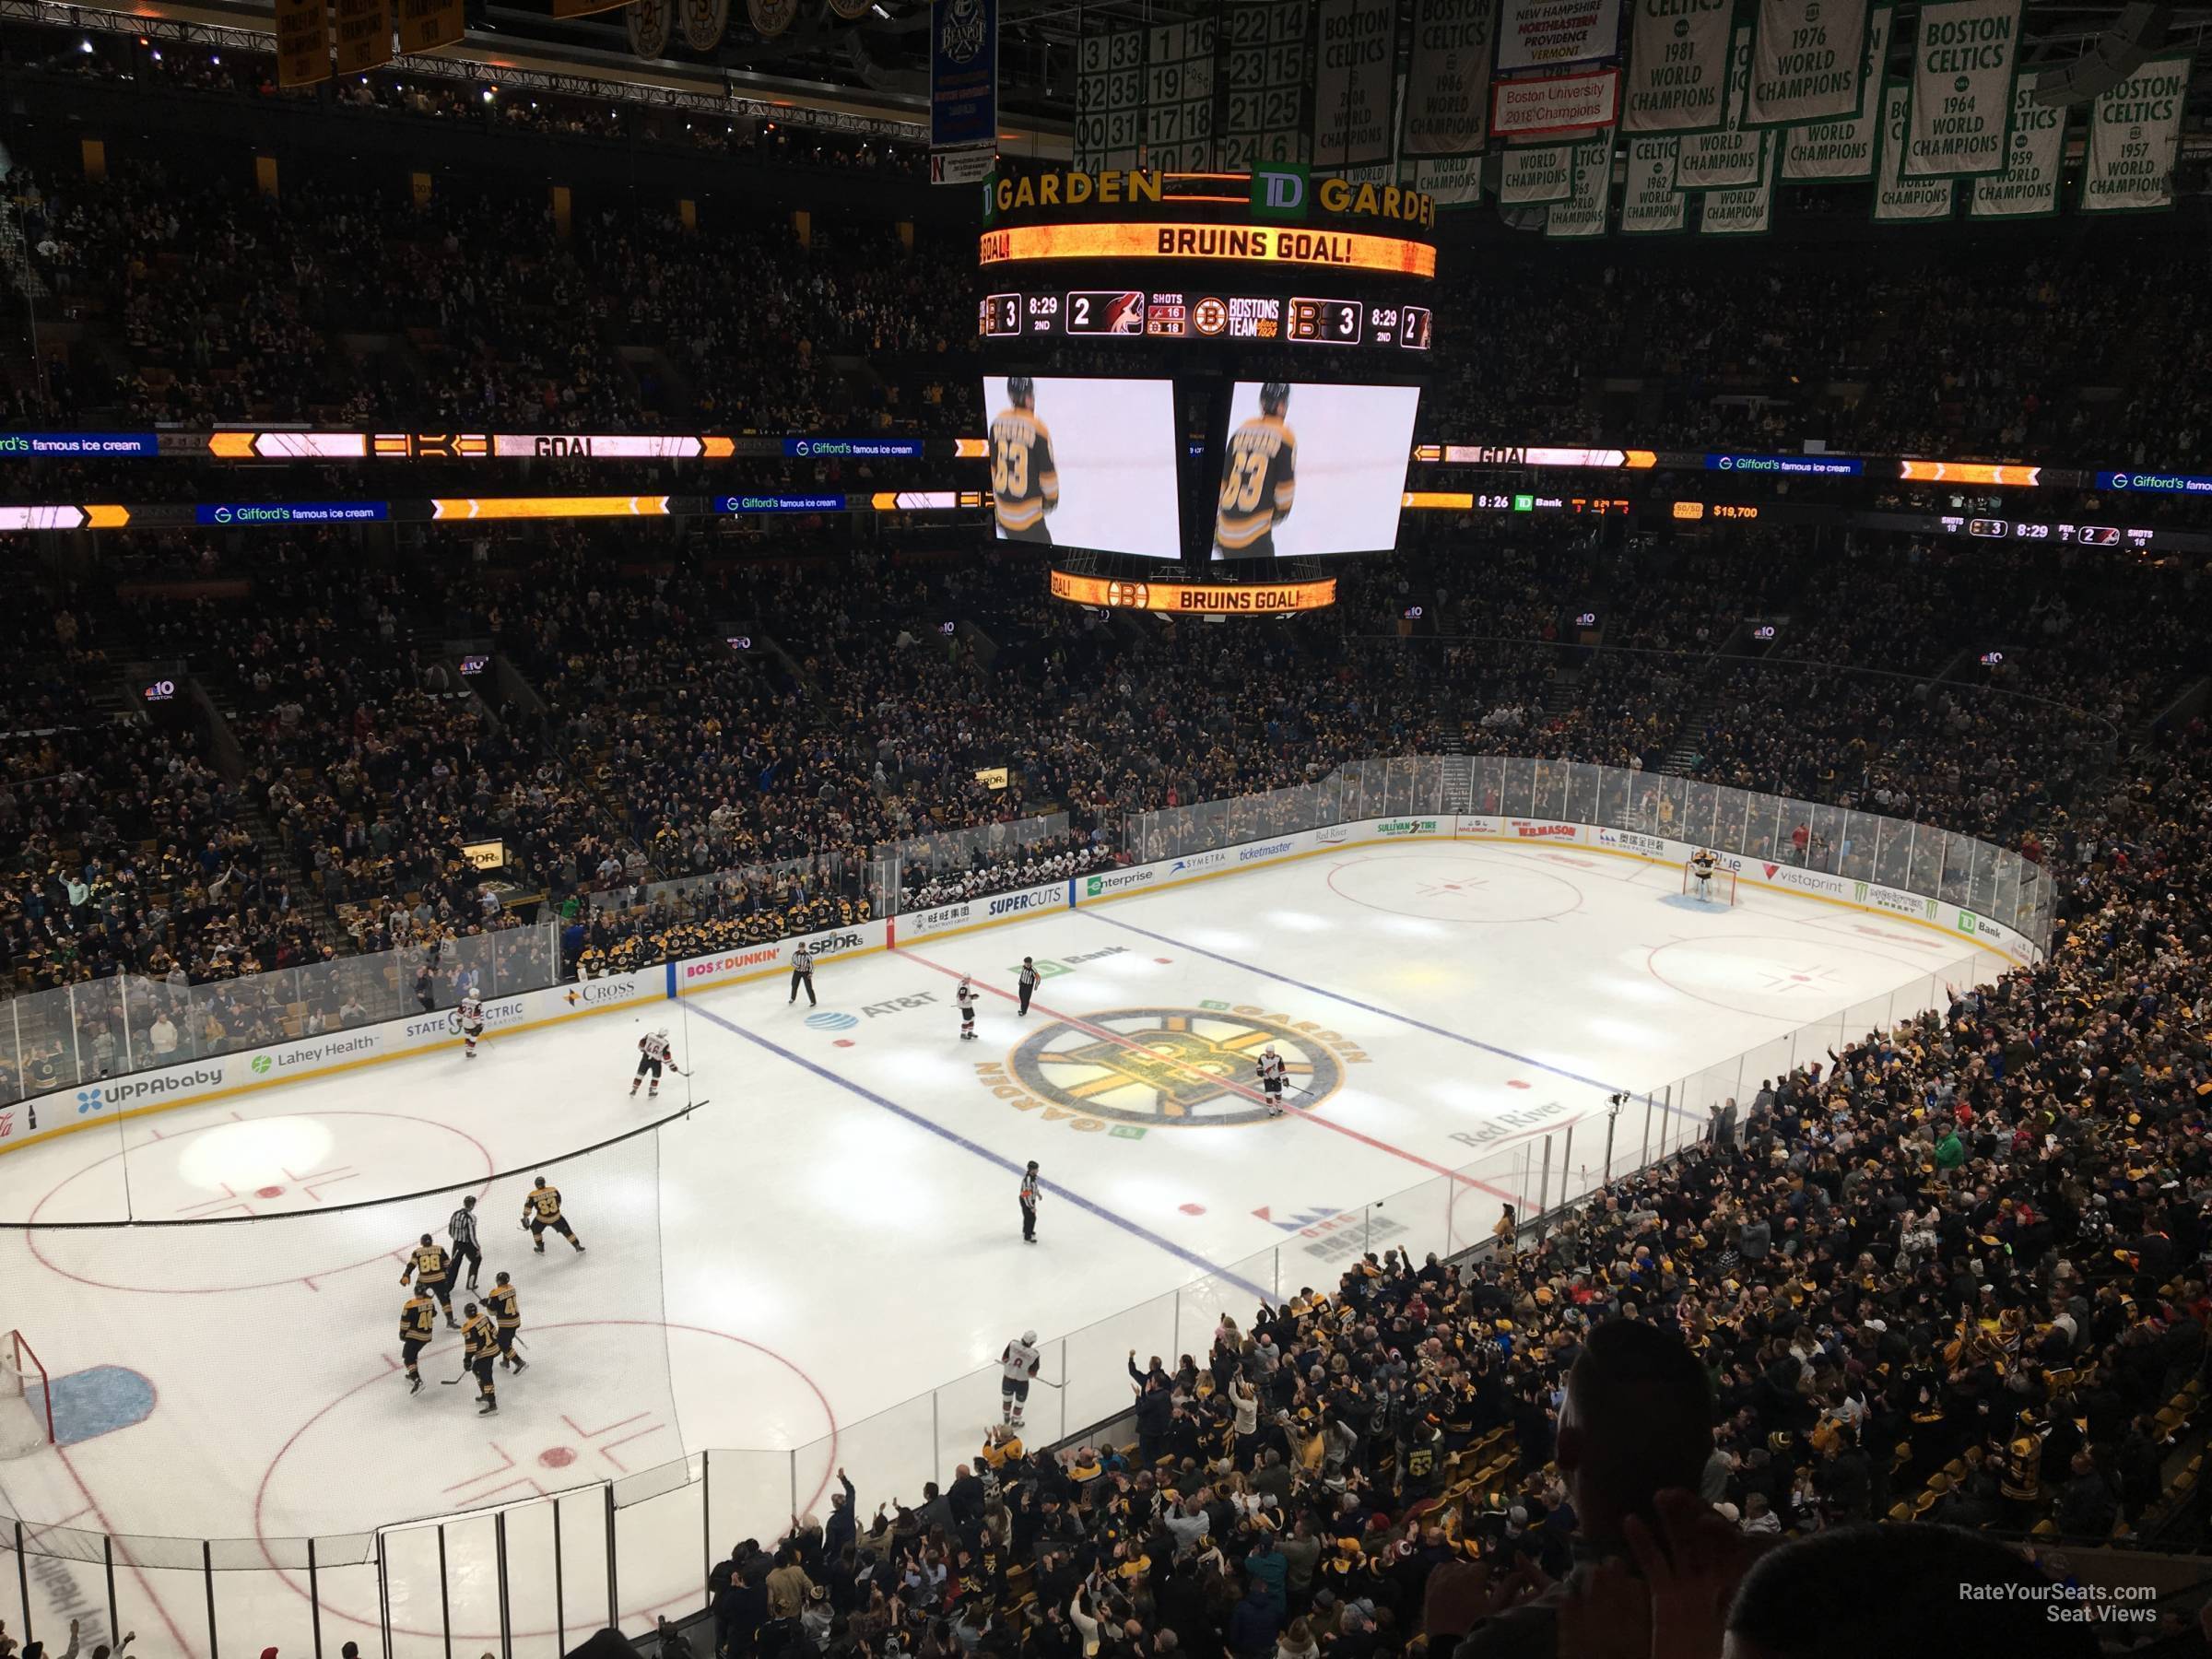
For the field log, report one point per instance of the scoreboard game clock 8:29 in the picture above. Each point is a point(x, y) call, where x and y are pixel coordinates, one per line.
point(1194, 314)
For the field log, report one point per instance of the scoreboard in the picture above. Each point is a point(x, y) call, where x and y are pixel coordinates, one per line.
point(1196, 314)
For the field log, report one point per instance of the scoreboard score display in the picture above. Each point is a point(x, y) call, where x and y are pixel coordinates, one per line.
point(1192, 314)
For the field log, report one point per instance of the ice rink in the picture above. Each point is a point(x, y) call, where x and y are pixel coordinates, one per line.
point(794, 1266)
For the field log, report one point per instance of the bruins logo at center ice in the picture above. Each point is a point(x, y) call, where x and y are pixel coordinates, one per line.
point(1171, 1067)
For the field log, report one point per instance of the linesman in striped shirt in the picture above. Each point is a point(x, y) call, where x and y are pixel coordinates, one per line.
point(461, 1228)
point(802, 973)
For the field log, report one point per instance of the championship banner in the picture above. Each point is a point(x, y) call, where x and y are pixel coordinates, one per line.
point(1899, 200)
point(426, 25)
point(1677, 75)
point(1583, 214)
point(1650, 205)
point(1265, 43)
point(1844, 148)
point(1733, 158)
point(1958, 108)
point(2135, 131)
point(1448, 82)
point(1179, 98)
point(963, 73)
point(1749, 211)
point(1551, 104)
point(302, 43)
point(1546, 34)
point(2027, 188)
point(1542, 172)
point(1110, 100)
point(1354, 80)
point(648, 22)
point(1456, 182)
point(1809, 62)
point(364, 34)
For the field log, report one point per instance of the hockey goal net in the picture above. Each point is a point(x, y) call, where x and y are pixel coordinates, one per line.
point(26, 1398)
point(1720, 890)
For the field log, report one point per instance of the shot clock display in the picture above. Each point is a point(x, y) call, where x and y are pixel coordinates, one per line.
point(1191, 314)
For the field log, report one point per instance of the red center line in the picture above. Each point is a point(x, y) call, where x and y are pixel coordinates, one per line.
point(1244, 1089)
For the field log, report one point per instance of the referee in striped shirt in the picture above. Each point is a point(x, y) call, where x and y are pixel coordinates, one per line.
point(802, 973)
point(461, 1228)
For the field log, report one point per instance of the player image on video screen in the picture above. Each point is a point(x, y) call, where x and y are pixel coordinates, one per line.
point(1310, 469)
point(1084, 462)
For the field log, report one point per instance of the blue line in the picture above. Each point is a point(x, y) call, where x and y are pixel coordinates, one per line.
point(1008, 1164)
point(1385, 1013)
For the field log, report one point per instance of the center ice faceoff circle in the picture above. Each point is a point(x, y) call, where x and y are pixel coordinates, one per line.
point(1164, 1067)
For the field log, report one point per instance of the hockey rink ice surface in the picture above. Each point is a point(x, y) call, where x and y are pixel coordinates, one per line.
point(834, 1231)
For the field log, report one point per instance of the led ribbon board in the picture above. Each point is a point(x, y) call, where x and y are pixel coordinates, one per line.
point(1237, 245)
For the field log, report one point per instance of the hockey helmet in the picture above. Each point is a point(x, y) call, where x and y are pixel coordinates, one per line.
point(1021, 391)
point(1029, 1339)
point(1275, 397)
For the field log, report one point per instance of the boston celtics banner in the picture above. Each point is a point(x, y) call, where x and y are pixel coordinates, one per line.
point(1896, 199)
point(1677, 76)
point(1583, 214)
point(1456, 183)
point(2134, 131)
point(1358, 66)
point(1807, 62)
point(1844, 148)
point(1746, 212)
point(1448, 78)
point(1536, 172)
point(1730, 159)
point(1650, 205)
point(2027, 188)
point(1959, 106)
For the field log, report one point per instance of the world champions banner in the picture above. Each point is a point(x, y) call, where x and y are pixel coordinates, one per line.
point(1677, 78)
point(1958, 108)
point(1809, 62)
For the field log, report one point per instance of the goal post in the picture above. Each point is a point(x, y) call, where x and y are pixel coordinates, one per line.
point(26, 1398)
point(1720, 890)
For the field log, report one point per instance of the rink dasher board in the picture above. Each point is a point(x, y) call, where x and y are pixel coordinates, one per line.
point(142, 1094)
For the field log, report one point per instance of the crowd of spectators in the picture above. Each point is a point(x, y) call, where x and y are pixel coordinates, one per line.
point(1953, 1276)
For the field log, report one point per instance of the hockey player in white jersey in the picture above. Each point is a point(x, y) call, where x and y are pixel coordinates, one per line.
point(965, 996)
point(1271, 1072)
point(653, 1054)
point(1020, 1364)
point(472, 1020)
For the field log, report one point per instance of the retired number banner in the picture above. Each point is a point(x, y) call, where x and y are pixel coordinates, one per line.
point(1448, 79)
point(1844, 148)
point(1959, 106)
point(1898, 200)
point(1809, 62)
point(1583, 214)
point(1678, 78)
point(1650, 205)
point(1359, 68)
point(2027, 188)
point(2134, 130)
